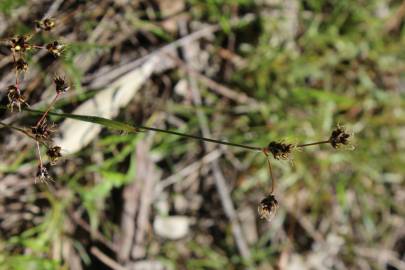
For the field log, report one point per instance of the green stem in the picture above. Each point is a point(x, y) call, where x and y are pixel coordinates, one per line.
point(200, 138)
point(22, 131)
point(314, 143)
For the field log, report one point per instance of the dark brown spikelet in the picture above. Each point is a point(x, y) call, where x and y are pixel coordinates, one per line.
point(42, 175)
point(55, 48)
point(268, 207)
point(54, 154)
point(339, 137)
point(43, 131)
point(21, 65)
point(20, 44)
point(60, 85)
point(15, 98)
point(46, 24)
point(280, 150)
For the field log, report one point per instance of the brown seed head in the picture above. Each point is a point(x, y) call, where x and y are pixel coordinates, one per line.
point(15, 98)
point(55, 48)
point(54, 154)
point(42, 175)
point(20, 44)
point(21, 65)
point(268, 207)
point(61, 85)
point(339, 137)
point(46, 24)
point(280, 150)
point(43, 131)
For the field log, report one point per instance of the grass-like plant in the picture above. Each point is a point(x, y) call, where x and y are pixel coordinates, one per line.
point(43, 129)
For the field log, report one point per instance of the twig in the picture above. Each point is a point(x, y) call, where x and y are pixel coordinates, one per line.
point(106, 260)
point(184, 172)
point(97, 235)
point(164, 50)
point(21, 130)
point(219, 88)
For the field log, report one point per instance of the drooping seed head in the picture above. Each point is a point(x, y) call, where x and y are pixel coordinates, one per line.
point(15, 98)
point(268, 207)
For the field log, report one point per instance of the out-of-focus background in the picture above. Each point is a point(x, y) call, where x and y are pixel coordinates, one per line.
point(239, 70)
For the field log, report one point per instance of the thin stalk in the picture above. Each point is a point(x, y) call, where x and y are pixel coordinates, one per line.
point(22, 131)
point(314, 143)
point(39, 154)
point(200, 138)
point(271, 175)
point(47, 110)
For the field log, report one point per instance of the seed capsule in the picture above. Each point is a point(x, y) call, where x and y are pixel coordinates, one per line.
point(339, 137)
point(280, 150)
point(42, 175)
point(54, 154)
point(46, 24)
point(55, 48)
point(268, 207)
point(15, 98)
point(61, 85)
point(21, 65)
point(43, 131)
point(20, 44)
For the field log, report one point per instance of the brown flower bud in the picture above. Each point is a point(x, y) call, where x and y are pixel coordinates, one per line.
point(15, 98)
point(339, 137)
point(55, 48)
point(43, 131)
point(20, 44)
point(42, 175)
point(54, 154)
point(268, 207)
point(21, 65)
point(61, 85)
point(46, 24)
point(280, 150)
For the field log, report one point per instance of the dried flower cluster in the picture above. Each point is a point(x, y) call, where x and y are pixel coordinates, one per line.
point(268, 206)
point(280, 150)
point(42, 131)
point(339, 137)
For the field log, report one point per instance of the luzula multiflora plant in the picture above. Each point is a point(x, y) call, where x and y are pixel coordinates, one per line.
point(42, 131)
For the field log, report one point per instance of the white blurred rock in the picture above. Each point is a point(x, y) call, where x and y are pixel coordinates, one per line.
point(171, 227)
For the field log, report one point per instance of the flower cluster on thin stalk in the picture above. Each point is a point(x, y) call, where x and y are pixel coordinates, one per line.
point(42, 130)
point(281, 151)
